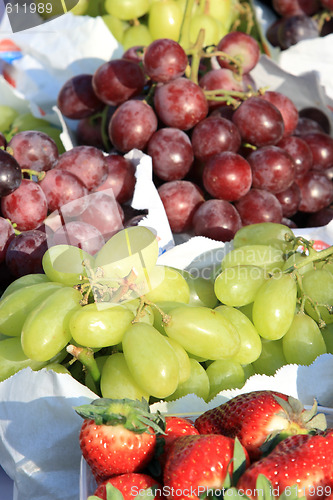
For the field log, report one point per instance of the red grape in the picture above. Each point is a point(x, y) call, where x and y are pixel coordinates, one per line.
point(317, 115)
point(290, 200)
point(213, 135)
point(34, 150)
point(180, 103)
point(164, 60)
point(171, 152)
point(6, 234)
point(25, 252)
point(295, 29)
point(77, 99)
point(287, 8)
point(316, 191)
point(121, 177)
point(87, 163)
point(272, 167)
point(287, 109)
point(227, 176)
point(240, 46)
point(10, 173)
point(79, 234)
point(307, 125)
point(216, 219)
point(61, 187)
point(321, 146)
point(104, 213)
point(26, 206)
point(259, 122)
point(132, 125)
point(259, 205)
point(117, 80)
point(300, 153)
point(89, 132)
point(321, 218)
point(222, 78)
point(180, 199)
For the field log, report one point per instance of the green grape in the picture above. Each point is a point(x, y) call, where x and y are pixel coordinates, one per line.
point(303, 342)
point(116, 26)
point(27, 121)
point(132, 250)
point(294, 260)
point(201, 290)
point(265, 233)
point(146, 315)
point(64, 264)
point(80, 8)
point(165, 20)
point(221, 10)
point(237, 286)
point(327, 333)
point(203, 332)
point(271, 358)
point(197, 383)
point(151, 360)
point(96, 326)
point(265, 256)
point(13, 359)
point(274, 306)
point(57, 368)
point(126, 9)
point(223, 375)
point(117, 382)
point(164, 307)
point(250, 341)
point(46, 330)
point(210, 26)
point(57, 8)
point(183, 359)
point(318, 285)
point(248, 371)
point(166, 282)
point(135, 36)
point(26, 280)
point(7, 116)
point(15, 307)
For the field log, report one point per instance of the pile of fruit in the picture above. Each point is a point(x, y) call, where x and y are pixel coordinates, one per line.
point(127, 327)
point(261, 444)
point(239, 155)
point(299, 20)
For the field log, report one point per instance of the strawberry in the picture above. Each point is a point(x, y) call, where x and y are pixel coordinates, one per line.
point(197, 463)
point(260, 417)
point(130, 485)
point(302, 460)
point(174, 428)
point(118, 436)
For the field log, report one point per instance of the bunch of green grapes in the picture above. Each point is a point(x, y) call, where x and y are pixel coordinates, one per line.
point(127, 327)
point(12, 122)
point(139, 22)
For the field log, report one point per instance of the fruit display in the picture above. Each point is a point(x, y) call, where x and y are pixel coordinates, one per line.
point(298, 20)
point(239, 448)
point(125, 326)
point(240, 154)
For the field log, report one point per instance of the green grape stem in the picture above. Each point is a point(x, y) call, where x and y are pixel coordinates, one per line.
point(145, 302)
point(40, 175)
point(312, 257)
point(86, 356)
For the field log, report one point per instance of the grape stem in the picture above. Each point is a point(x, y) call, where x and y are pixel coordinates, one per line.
point(86, 356)
point(33, 173)
point(313, 257)
point(145, 302)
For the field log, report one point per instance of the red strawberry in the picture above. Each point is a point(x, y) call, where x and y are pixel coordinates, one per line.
point(130, 485)
point(197, 463)
point(118, 436)
point(302, 460)
point(174, 428)
point(260, 417)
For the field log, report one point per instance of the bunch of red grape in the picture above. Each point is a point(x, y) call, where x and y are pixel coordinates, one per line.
point(43, 199)
point(299, 20)
point(224, 153)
